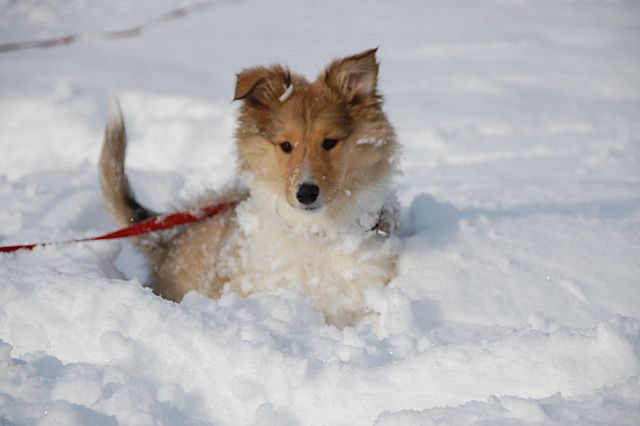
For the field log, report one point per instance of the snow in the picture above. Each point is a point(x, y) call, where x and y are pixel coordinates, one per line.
point(287, 93)
point(518, 296)
point(371, 141)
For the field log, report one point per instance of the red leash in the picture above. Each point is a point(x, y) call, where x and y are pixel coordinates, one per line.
point(156, 223)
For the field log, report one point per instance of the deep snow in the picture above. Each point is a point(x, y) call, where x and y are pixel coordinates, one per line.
point(518, 298)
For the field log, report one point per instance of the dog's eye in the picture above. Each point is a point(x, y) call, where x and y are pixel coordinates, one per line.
point(329, 144)
point(286, 147)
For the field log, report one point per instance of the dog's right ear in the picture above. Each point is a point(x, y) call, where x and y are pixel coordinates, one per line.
point(261, 86)
point(354, 77)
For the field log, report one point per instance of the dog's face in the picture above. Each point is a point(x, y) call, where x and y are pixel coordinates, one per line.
point(314, 143)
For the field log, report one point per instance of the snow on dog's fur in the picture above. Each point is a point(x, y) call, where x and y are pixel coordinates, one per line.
point(316, 211)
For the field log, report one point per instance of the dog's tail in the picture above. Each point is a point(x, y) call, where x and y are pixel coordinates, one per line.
point(118, 197)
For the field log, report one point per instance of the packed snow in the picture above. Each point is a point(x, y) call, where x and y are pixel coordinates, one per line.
point(518, 294)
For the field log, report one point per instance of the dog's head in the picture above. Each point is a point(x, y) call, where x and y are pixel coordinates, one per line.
point(314, 143)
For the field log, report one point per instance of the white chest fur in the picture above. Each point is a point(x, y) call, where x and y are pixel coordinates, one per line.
point(278, 247)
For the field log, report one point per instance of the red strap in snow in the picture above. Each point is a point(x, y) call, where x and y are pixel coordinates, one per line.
point(156, 223)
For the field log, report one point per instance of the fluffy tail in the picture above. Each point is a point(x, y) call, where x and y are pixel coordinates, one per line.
point(118, 198)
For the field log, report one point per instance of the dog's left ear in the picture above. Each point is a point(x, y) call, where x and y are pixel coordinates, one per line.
point(262, 86)
point(355, 77)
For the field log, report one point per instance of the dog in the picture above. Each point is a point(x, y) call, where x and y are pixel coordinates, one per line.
point(315, 206)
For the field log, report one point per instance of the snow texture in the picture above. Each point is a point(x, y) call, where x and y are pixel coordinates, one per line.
point(288, 91)
point(518, 295)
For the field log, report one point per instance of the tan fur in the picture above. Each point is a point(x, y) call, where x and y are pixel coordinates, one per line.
point(342, 104)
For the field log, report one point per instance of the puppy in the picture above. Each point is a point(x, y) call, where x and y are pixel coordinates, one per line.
point(315, 206)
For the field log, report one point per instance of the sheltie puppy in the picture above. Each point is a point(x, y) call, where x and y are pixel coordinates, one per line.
point(315, 206)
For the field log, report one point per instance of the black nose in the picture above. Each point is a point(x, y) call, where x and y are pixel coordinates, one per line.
point(307, 193)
